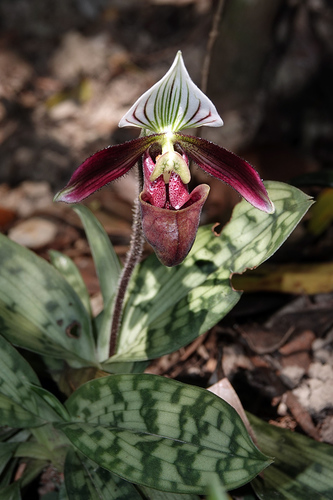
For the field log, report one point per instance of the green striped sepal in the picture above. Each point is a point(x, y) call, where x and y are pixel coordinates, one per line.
point(161, 433)
point(172, 104)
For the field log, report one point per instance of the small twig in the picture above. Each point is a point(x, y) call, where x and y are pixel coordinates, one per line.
point(132, 258)
point(192, 348)
point(301, 416)
point(268, 349)
point(210, 44)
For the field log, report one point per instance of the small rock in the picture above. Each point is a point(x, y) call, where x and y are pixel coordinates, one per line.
point(316, 393)
point(324, 356)
point(282, 409)
point(33, 233)
point(323, 372)
point(292, 375)
point(63, 110)
point(26, 198)
point(233, 359)
point(323, 349)
point(301, 360)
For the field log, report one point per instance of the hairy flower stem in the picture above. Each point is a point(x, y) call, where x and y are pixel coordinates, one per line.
point(132, 258)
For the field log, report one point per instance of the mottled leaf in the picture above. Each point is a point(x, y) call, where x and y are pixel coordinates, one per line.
point(167, 308)
point(11, 492)
point(12, 435)
point(7, 475)
point(70, 272)
point(56, 410)
point(84, 480)
point(160, 433)
point(108, 271)
point(18, 407)
point(106, 260)
point(217, 492)
point(33, 469)
point(8, 463)
point(302, 469)
point(39, 310)
point(12, 413)
point(152, 494)
point(6, 453)
point(23, 403)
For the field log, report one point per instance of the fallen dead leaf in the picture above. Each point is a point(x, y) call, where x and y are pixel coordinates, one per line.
point(225, 391)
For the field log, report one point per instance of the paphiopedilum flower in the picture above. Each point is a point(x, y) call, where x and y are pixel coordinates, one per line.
point(170, 213)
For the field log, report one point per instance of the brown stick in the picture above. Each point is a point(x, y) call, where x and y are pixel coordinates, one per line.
point(210, 44)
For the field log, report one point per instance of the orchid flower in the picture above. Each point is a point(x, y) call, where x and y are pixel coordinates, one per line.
point(170, 213)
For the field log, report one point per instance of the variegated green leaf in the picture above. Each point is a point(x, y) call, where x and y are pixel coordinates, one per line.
point(172, 104)
point(152, 494)
point(6, 453)
point(11, 492)
point(23, 403)
point(7, 475)
point(32, 470)
point(217, 492)
point(56, 411)
point(62, 494)
point(102, 325)
point(84, 480)
point(39, 310)
point(15, 372)
point(126, 367)
point(12, 435)
point(70, 272)
point(167, 308)
point(302, 469)
point(8, 462)
point(12, 413)
point(106, 260)
point(162, 434)
point(18, 407)
point(108, 271)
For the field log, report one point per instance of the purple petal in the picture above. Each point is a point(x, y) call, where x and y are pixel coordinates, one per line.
point(103, 167)
point(172, 232)
point(229, 168)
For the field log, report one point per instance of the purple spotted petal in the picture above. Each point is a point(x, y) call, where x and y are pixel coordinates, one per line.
point(227, 167)
point(103, 167)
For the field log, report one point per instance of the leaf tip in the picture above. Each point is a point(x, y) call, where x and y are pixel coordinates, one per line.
point(270, 208)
